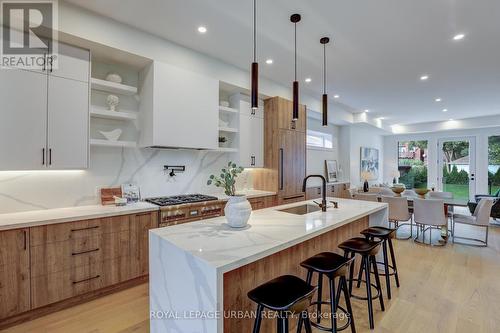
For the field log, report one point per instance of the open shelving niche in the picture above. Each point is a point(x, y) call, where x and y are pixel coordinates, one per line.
point(126, 114)
point(229, 120)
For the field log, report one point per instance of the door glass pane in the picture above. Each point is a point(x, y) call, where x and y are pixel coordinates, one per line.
point(456, 168)
point(493, 164)
point(412, 163)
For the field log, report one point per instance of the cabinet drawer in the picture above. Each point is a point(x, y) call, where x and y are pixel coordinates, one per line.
point(291, 199)
point(59, 256)
point(81, 229)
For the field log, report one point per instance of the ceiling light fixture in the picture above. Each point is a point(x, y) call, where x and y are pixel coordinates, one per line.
point(255, 64)
point(366, 110)
point(295, 18)
point(336, 96)
point(202, 30)
point(269, 61)
point(445, 110)
point(381, 118)
point(424, 77)
point(308, 80)
point(324, 41)
point(438, 99)
point(459, 37)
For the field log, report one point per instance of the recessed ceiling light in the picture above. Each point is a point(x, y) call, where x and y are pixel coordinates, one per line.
point(202, 29)
point(445, 110)
point(451, 119)
point(336, 96)
point(424, 77)
point(438, 99)
point(458, 37)
point(308, 80)
point(381, 118)
point(367, 110)
point(269, 61)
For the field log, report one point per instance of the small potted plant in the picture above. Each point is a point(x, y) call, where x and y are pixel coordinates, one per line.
point(237, 209)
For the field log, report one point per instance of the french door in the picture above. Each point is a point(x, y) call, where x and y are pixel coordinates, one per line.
point(457, 166)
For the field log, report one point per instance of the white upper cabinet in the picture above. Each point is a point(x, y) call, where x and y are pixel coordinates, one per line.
point(251, 148)
point(72, 63)
point(179, 108)
point(45, 115)
point(23, 125)
point(68, 131)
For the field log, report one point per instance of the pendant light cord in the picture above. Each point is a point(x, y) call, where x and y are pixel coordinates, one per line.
point(254, 30)
point(324, 68)
point(295, 51)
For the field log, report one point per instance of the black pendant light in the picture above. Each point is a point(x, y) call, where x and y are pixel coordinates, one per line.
point(255, 64)
point(295, 18)
point(324, 41)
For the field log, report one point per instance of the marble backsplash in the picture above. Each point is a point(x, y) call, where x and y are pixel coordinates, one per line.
point(32, 190)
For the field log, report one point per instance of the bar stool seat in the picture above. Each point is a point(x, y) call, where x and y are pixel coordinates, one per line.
point(285, 294)
point(359, 245)
point(331, 265)
point(379, 232)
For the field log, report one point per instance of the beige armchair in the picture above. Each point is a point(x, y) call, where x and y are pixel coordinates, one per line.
point(480, 218)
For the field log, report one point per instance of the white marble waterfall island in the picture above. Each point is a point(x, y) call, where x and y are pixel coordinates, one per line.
point(200, 272)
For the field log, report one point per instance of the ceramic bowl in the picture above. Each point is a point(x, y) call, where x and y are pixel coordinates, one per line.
point(113, 77)
point(422, 192)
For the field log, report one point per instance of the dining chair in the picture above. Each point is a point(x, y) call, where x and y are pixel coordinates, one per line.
point(444, 195)
point(366, 196)
point(409, 193)
point(387, 192)
point(430, 213)
point(480, 218)
point(398, 211)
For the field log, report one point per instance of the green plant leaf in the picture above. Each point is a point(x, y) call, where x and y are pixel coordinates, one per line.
point(209, 182)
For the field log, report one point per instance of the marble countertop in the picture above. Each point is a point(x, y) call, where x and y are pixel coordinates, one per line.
point(268, 232)
point(60, 215)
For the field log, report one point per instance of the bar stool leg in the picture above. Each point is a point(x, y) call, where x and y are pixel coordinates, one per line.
point(347, 298)
point(279, 324)
point(301, 318)
point(377, 281)
point(360, 276)
point(365, 262)
point(258, 319)
point(285, 324)
point(333, 305)
point(386, 269)
point(307, 324)
point(393, 260)
point(320, 297)
point(351, 271)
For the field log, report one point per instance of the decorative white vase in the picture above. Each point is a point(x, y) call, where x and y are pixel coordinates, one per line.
point(237, 211)
point(112, 101)
point(114, 77)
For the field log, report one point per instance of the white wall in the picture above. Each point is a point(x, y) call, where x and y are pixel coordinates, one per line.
point(351, 139)
point(315, 156)
point(481, 137)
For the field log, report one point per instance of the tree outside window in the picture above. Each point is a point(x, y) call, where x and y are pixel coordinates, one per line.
point(493, 164)
point(412, 163)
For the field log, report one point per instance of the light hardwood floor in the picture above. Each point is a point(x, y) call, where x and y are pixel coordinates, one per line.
point(451, 289)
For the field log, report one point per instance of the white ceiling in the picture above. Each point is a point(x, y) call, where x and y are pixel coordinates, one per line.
point(379, 51)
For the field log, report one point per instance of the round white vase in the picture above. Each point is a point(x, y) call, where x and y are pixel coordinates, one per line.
point(237, 211)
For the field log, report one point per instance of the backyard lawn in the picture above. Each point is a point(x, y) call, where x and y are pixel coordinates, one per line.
point(462, 191)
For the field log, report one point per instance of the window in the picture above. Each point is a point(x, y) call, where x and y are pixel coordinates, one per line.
point(319, 139)
point(412, 163)
point(493, 164)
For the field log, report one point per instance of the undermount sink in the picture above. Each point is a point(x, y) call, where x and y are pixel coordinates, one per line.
point(301, 210)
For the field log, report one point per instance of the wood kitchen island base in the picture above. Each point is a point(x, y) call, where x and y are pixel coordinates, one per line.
point(200, 272)
point(238, 282)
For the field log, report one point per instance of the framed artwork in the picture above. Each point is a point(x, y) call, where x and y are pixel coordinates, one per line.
point(331, 170)
point(131, 192)
point(369, 163)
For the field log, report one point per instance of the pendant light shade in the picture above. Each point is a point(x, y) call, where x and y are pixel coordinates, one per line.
point(324, 41)
point(255, 66)
point(295, 18)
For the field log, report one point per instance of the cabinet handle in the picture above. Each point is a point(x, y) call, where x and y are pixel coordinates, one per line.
point(281, 168)
point(142, 214)
point(87, 228)
point(84, 252)
point(84, 280)
point(43, 156)
point(293, 197)
point(319, 190)
point(293, 125)
point(252, 112)
point(252, 163)
point(50, 63)
point(25, 235)
point(44, 61)
point(50, 156)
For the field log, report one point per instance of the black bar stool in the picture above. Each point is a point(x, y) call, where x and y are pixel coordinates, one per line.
point(285, 294)
point(385, 235)
point(331, 265)
point(367, 249)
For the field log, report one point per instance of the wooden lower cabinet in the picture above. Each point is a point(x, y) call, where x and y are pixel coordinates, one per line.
point(263, 202)
point(291, 199)
point(71, 259)
point(313, 192)
point(14, 272)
